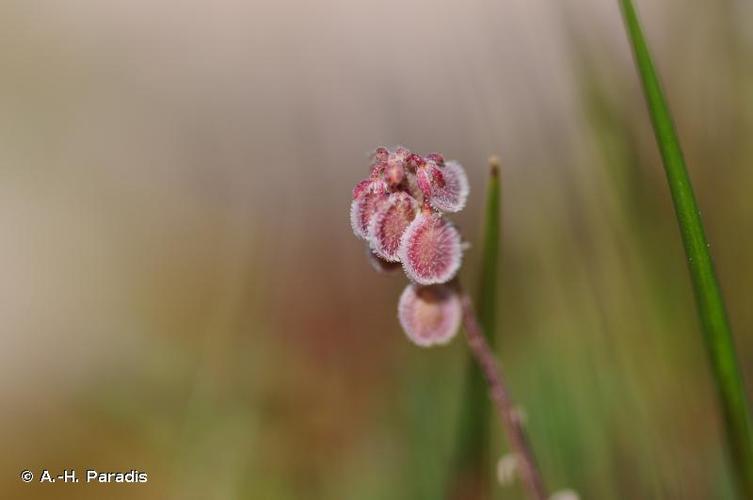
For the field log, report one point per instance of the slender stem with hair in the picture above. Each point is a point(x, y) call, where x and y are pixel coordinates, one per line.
point(500, 396)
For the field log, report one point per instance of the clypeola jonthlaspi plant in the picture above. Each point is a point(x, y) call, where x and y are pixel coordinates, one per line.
point(400, 211)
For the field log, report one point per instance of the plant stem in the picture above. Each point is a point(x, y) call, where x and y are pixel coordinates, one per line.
point(500, 396)
point(711, 309)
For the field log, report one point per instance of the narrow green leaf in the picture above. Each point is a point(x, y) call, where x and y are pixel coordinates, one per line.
point(472, 467)
point(487, 300)
point(716, 329)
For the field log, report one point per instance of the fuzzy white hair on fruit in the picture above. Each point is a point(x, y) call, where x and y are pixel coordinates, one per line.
point(393, 217)
point(430, 316)
point(453, 195)
point(430, 250)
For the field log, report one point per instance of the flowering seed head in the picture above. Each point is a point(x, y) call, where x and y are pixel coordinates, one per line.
point(398, 210)
point(430, 249)
point(430, 315)
point(369, 199)
point(390, 222)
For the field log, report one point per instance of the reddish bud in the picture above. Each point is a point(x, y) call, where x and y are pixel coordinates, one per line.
point(390, 222)
point(415, 161)
point(394, 173)
point(396, 164)
point(430, 315)
point(400, 154)
point(381, 155)
point(377, 169)
point(430, 249)
point(436, 158)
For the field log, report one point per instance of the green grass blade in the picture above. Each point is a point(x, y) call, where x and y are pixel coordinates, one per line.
point(711, 309)
point(472, 467)
point(487, 299)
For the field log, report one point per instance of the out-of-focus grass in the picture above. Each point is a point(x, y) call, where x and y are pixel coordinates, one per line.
point(709, 301)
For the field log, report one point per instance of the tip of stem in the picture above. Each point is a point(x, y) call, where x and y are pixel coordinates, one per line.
point(494, 164)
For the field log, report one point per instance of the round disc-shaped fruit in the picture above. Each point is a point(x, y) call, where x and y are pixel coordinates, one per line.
point(430, 249)
point(447, 186)
point(364, 206)
point(430, 315)
point(390, 222)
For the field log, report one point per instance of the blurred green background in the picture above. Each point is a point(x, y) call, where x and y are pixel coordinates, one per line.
point(181, 292)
